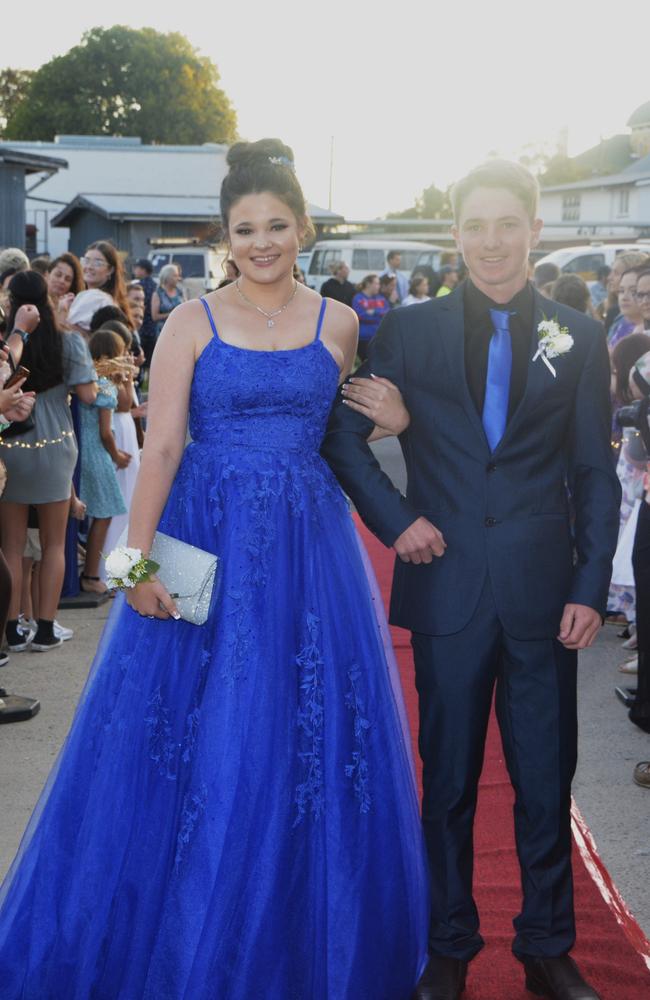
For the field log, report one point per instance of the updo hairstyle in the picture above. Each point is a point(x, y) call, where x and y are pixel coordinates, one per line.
point(256, 167)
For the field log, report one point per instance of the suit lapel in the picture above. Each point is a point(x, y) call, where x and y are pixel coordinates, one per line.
point(452, 331)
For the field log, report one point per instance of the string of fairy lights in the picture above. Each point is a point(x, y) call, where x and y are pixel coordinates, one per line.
point(34, 445)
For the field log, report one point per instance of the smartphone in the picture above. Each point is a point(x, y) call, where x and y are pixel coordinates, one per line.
point(20, 372)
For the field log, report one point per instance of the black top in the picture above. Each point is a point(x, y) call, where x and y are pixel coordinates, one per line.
point(342, 291)
point(478, 333)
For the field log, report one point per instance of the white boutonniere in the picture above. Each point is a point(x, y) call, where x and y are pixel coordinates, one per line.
point(553, 341)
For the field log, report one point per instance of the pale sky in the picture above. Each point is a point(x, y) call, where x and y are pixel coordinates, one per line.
point(414, 91)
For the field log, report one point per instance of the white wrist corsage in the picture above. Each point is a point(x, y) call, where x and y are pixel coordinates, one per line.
point(126, 566)
point(553, 341)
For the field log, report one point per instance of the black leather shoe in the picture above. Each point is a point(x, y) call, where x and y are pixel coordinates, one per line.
point(443, 979)
point(557, 978)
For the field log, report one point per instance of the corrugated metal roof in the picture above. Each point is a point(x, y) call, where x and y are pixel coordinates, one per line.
point(156, 206)
point(30, 161)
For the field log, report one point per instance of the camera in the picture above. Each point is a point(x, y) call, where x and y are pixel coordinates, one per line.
point(636, 415)
point(630, 416)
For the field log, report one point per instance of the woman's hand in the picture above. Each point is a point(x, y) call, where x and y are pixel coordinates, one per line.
point(63, 306)
point(77, 508)
point(150, 598)
point(122, 459)
point(23, 407)
point(27, 318)
point(378, 400)
point(139, 411)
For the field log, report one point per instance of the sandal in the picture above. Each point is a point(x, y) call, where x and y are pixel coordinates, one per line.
point(95, 584)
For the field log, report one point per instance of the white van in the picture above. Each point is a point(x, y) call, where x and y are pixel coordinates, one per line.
point(586, 260)
point(362, 257)
point(201, 267)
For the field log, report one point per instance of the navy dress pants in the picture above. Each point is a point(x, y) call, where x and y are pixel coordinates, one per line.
point(536, 710)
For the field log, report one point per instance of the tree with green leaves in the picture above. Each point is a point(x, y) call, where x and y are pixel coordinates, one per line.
point(124, 81)
point(433, 203)
point(14, 86)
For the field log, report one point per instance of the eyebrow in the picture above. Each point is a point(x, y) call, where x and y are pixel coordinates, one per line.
point(503, 218)
point(244, 222)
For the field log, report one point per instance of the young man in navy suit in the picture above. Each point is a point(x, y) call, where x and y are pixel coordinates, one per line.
point(508, 396)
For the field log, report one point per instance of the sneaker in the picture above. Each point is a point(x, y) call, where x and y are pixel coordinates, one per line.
point(4, 659)
point(27, 625)
point(630, 666)
point(42, 647)
point(61, 632)
point(25, 642)
point(642, 774)
point(632, 642)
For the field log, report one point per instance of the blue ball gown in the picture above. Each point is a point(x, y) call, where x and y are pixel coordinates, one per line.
point(234, 812)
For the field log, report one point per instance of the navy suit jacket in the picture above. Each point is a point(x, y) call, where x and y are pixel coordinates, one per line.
point(504, 514)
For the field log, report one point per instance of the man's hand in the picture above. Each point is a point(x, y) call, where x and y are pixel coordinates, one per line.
point(579, 626)
point(420, 542)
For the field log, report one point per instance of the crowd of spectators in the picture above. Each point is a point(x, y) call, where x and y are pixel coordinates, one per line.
point(77, 336)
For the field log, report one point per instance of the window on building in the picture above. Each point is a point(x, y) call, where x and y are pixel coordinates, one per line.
point(623, 202)
point(571, 207)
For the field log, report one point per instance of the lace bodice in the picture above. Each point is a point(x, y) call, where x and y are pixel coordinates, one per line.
point(266, 400)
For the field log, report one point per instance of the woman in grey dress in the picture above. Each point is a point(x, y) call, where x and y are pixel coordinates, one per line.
point(40, 461)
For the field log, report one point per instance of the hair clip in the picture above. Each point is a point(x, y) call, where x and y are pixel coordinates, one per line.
point(282, 161)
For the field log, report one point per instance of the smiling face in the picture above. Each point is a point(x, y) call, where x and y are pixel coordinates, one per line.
point(135, 296)
point(96, 269)
point(264, 237)
point(495, 235)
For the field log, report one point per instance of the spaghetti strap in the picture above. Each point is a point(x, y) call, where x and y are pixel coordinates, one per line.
point(320, 319)
point(209, 312)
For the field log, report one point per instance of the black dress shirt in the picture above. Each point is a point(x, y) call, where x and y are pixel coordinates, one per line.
point(478, 332)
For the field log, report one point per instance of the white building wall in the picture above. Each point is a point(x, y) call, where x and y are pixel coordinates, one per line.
point(114, 168)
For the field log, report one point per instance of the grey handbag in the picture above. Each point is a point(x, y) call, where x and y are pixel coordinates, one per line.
point(189, 574)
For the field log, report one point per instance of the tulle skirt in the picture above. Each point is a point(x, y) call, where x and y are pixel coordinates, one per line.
point(234, 811)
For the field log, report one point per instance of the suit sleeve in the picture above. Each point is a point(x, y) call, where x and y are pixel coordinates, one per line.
point(346, 449)
point(594, 485)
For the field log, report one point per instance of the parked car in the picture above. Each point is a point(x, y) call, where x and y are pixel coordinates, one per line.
point(586, 260)
point(363, 257)
point(201, 267)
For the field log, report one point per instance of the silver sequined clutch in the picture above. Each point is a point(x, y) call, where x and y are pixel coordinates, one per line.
point(189, 574)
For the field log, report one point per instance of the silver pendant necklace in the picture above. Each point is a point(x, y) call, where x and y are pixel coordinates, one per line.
point(270, 316)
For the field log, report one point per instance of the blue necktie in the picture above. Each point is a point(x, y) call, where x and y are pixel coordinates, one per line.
point(497, 384)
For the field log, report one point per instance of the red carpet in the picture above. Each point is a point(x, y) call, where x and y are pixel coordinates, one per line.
point(607, 934)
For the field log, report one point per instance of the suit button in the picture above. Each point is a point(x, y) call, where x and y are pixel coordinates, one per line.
point(491, 467)
point(490, 522)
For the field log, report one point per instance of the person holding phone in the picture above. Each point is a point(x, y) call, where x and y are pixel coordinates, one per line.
point(40, 454)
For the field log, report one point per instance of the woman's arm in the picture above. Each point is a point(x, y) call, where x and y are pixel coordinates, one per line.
point(125, 396)
point(156, 313)
point(86, 391)
point(120, 458)
point(172, 370)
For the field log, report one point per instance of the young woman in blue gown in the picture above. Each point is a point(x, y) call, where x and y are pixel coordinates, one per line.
point(234, 812)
